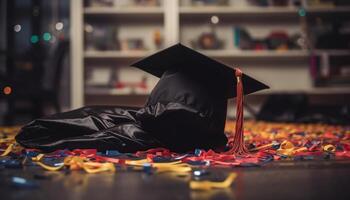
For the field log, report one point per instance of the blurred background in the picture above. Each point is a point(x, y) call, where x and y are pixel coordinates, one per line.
point(57, 55)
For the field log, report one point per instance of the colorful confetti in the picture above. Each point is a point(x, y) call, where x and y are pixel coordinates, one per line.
point(266, 142)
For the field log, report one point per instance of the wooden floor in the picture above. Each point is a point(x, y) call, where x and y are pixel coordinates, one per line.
point(278, 180)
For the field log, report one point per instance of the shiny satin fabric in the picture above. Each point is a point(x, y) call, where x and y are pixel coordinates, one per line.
point(97, 127)
point(179, 115)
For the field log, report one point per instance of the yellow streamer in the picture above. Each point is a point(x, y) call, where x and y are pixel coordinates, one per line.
point(76, 163)
point(93, 167)
point(262, 147)
point(50, 168)
point(329, 148)
point(179, 168)
point(139, 163)
point(8, 150)
point(38, 157)
point(208, 185)
point(166, 164)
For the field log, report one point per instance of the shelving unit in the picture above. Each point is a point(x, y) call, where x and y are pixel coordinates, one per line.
point(285, 71)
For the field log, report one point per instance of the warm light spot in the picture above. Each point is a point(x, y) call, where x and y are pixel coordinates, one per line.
point(7, 90)
point(214, 19)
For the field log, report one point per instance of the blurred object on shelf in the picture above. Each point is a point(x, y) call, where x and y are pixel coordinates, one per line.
point(319, 3)
point(276, 40)
point(242, 38)
point(279, 40)
point(297, 3)
point(100, 76)
point(100, 37)
point(297, 41)
point(330, 71)
point(157, 39)
point(109, 37)
point(130, 80)
point(132, 44)
point(210, 2)
point(334, 35)
point(342, 2)
point(121, 3)
point(124, 80)
point(147, 2)
point(99, 3)
point(133, 88)
point(277, 3)
point(208, 41)
point(258, 2)
point(280, 2)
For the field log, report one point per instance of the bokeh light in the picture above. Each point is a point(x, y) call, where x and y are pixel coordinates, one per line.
point(214, 19)
point(47, 36)
point(7, 90)
point(59, 26)
point(302, 12)
point(34, 39)
point(17, 28)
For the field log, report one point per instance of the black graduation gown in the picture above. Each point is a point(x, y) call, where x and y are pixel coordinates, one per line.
point(179, 115)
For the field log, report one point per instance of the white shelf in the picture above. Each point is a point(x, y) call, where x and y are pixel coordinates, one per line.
point(255, 54)
point(323, 9)
point(312, 91)
point(252, 10)
point(123, 10)
point(211, 10)
point(210, 53)
point(127, 14)
point(132, 54)
point(221, 53)
point(235, 10)
point(115, 92)
point(332, 52)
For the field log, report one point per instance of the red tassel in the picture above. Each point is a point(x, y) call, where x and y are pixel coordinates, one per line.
point(238, 146)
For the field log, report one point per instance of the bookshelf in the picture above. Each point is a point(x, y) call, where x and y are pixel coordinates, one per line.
point(286, 71)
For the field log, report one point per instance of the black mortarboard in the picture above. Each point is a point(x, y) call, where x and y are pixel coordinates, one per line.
point(198, 66)
point(187, 107)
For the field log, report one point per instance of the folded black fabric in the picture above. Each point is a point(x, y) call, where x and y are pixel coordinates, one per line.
point(181, 119)
point(98, 127)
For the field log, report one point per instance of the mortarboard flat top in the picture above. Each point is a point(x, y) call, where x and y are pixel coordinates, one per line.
point(182, 58)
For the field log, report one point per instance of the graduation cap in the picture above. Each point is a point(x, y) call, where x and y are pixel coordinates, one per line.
point(213, 76)
point(198, 66)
